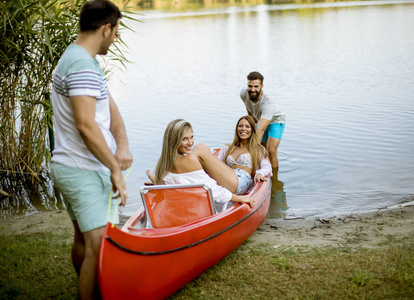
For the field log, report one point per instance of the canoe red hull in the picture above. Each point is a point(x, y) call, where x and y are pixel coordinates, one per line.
point(155, 263)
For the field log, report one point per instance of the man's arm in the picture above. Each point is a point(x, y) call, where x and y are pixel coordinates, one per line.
point(250, 114)
point(84, 113)
point(122, 153)
point(261, 127)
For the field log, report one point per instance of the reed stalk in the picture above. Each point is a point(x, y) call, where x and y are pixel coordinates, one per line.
point(34, 34)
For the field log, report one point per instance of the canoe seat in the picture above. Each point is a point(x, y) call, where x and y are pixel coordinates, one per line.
point(174, 205)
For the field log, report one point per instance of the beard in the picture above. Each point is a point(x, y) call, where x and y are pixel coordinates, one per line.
point(104, 48)
point(254, 96)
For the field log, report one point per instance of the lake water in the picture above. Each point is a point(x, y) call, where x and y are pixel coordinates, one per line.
point(342, 72)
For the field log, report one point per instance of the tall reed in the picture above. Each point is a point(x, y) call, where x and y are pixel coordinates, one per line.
point(33, 36)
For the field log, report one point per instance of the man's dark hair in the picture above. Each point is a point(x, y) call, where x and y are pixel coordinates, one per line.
point(96, 13)
point(255, 76)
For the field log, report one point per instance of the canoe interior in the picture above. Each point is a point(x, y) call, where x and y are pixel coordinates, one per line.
point(153, 263)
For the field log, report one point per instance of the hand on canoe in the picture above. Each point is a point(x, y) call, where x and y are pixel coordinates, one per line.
point(243, 199)
point(259, 178)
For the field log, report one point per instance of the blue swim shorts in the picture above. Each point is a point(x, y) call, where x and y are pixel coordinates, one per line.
point(85, 194)
point(274, 130)
point(245, 181)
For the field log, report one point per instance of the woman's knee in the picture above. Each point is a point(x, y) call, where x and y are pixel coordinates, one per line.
point(201, 148)
point(201, 151)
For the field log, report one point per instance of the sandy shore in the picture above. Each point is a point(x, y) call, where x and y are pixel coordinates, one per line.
point(367, 229)
point(363, 229)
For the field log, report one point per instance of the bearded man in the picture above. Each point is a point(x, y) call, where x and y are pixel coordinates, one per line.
point(270, 119)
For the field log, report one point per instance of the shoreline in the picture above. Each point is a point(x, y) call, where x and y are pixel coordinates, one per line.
point(368, 229)
point(358, 229)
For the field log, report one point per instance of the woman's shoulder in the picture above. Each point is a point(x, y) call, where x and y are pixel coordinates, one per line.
point(224, 147)
point(190, 174)
point(190, 158)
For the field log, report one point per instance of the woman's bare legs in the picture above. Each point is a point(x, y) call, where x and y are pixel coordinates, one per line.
point(216, 169)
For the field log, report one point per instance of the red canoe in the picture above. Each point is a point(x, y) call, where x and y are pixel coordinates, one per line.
point(137, 262)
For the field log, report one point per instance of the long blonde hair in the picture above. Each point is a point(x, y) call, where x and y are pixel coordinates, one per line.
point(256, 150)
point(173, 136)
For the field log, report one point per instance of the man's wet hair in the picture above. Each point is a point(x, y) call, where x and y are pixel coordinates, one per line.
point(96, 13)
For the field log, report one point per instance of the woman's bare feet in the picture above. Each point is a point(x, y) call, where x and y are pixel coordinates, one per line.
point(151, 177)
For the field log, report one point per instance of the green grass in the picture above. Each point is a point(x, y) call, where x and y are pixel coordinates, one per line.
point(37, 266)
point(262, 272)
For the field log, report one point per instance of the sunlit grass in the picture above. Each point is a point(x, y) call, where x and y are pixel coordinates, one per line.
point(262, 272)
point(38, 266)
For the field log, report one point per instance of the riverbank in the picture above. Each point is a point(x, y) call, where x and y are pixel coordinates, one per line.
point(358, 229)
point(367, 229)
point(355, 256)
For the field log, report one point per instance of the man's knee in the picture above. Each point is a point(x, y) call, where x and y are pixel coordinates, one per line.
point(78, 237)
point(272, 152)
point(93, 240)
point(272, 146)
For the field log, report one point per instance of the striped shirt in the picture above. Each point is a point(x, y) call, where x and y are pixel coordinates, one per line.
point(78, 74)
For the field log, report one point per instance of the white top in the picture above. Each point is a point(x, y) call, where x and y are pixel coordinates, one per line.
point(220, 194)
point(78, 74)
point(265, 108)
point(265, 167)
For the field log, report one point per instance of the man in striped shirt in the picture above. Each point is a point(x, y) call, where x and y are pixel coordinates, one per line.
point(91, 142)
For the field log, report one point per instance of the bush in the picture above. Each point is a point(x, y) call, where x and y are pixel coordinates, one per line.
point(34, 34)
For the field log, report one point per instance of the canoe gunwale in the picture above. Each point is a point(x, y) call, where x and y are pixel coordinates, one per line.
point(151, 253)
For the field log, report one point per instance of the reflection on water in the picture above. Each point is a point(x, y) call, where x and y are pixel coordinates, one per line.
point(278, 204)
point(28, 195)
point(186, 5)
point(196, 4)
point(342, 72)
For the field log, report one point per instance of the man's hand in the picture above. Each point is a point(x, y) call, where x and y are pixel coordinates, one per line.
point(261, 127)
point(118, 184)
point(124, 158)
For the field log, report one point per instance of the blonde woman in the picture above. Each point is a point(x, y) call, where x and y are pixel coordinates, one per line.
point(246, 156)
point(179, 164)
